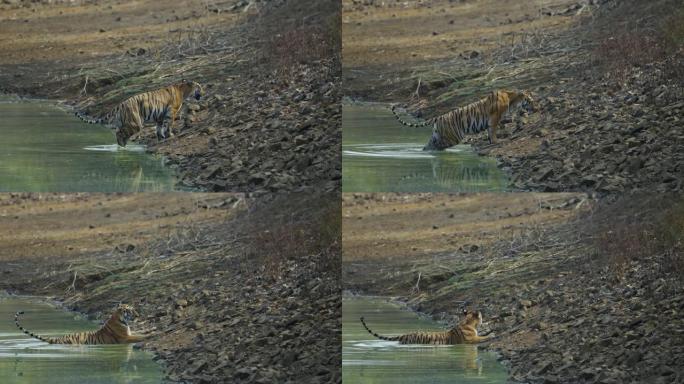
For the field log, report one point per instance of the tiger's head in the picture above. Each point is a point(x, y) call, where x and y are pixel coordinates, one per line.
point(528, 102)
point(121, 138)
point(125, 313)
point(471, 319)
point(192, 88)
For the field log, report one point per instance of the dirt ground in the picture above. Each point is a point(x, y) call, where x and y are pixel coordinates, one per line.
point(269, 119)
point(231, 287)
point(388, 239)
point(67, 33)
point(384, 42)
point(380, 226)
point(69, 225)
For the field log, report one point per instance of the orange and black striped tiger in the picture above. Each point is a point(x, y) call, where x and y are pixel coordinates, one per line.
point(114, 331)
point(450, 128)
point(463, 333)
point(154, 106)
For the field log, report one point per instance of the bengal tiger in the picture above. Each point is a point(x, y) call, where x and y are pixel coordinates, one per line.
point(450, 128)
point(463, 333)
point(129, 116)
point(114, 331)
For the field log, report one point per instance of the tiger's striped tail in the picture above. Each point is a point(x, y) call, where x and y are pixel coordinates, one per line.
point(406, 123)
point(395, 338)
point(16, 322)
point(101, 120)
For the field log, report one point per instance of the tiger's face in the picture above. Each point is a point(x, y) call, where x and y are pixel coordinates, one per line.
point(195, 89)
point(528, 103)
point(126, 313)
point(121, 139)
point(472, 318)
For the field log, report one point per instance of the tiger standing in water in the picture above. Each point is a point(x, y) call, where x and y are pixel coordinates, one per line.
point(450, 128)
point(129, 116)
point(463, 333)
point(114, 331)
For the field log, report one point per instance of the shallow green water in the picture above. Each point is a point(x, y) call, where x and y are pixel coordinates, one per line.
point(381, 155)
point(366, 359)
point(26, 360)
point(45, 149)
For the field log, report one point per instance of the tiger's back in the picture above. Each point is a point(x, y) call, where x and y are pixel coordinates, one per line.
point(129, 116)
point(451, 128)
point(465, 332)
point(114, 331)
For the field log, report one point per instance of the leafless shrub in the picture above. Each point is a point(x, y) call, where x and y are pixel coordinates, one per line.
point(293, 231)
point(619, 54)
point(640, 41)
point(643, 229)
point(673, 31)
point(303, 45)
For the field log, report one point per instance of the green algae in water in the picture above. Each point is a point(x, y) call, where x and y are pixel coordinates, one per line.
point(25, 360)
point(46, 149)
point(366, 359)
point(381, 155)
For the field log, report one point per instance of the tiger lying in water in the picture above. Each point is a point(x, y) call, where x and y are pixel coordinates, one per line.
point(450, 128)
point(463, 333)
point(114, 331)
point(154, 106)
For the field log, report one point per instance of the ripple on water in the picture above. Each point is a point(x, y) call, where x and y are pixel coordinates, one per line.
point(381, 155)
point(46, 149)
point(116, 148)
point(25, 360)
point(370, 360)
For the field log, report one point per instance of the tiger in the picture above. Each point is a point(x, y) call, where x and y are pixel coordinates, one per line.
point(129, 116)
point(463, 333)
point(114, 331)
point(450, 128)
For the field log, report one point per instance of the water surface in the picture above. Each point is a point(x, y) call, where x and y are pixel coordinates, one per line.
point(25, 360)
point(45, 149)
point(366, 359)
point(381, 155)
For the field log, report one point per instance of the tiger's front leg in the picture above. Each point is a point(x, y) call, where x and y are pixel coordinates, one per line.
point(491, 129)
point(160, 132)
point(135, 338)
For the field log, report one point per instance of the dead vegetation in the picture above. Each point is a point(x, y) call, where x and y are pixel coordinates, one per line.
point(639, 229)
point(646, 34)
point(278, 238)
